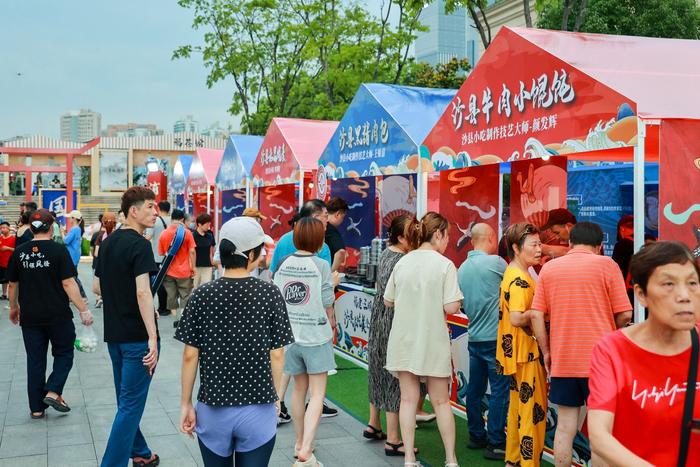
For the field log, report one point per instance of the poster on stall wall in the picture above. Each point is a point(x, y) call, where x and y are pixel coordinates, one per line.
point(232, 204)
point(359, 227)
point(397, 196)
point(467, 197)
point(353, 311)
point(679, 160)
point(199, 205)
point(279, 204)
point(537, 186)
point(55, 200)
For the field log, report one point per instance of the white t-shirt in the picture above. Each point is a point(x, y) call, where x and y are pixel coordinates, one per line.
point(307, 289)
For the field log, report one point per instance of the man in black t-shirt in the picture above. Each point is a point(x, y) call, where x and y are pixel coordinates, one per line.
point(337, 209)
point(204, 250)
point(123, 280)
point(42, 280)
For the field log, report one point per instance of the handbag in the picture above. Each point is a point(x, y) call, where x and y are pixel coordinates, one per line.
point(689, 404)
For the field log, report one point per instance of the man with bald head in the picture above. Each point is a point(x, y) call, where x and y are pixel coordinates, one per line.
point(480, 279)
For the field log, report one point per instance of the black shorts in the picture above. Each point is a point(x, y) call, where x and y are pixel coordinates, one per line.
point(3, 272)
point(569, 392)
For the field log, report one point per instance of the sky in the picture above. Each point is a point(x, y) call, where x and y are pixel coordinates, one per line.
point(113, 57)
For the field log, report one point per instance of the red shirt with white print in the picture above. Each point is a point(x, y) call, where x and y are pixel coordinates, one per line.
point(646, 392)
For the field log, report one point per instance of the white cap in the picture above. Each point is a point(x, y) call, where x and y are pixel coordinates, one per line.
point(244, 232)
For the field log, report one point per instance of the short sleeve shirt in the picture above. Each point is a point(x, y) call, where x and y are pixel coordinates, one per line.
point(124, 255)
point(235, 323)
point(40, 267)
point(646, 392)
point(514, 344)
point(285, 247)
point(334, 240)
point(579, 287)
point(8, 241)
point(180, 267)
point(203, 245)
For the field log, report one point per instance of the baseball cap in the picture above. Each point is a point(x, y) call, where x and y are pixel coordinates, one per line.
point(245, 233)
point(75, 214)
point(40, 220)
point(252, 212)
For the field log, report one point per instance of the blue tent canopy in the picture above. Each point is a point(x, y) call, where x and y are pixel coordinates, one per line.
point(382, 130)
point(239, 156)
point(181, 172)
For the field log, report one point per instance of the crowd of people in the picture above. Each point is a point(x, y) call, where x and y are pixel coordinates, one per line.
point(548, 324)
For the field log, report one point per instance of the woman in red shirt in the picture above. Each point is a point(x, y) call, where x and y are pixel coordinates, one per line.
point(639, 374)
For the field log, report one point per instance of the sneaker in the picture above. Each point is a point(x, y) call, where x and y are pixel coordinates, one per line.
point(476, 444)
point(284, 416)
point(3, 297)
point(328, 411)
point(495, 453)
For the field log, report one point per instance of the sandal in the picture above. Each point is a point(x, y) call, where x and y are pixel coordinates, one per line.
point(60, 406)
point(311, 462)
point(152, 462)
point(37, 415)
point(412, 464)
point(394, 449)
point(451, 464)
point(375, 434)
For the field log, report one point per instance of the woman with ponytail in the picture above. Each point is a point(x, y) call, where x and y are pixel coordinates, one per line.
point(422, 288)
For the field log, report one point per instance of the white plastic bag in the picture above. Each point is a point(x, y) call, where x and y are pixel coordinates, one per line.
point(86, 341)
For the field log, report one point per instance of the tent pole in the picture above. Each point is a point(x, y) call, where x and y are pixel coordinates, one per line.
point(500, 203)
point(216, 214)
point(208, 200)
point(639, 203)
point(422, 184)
point(301, 189)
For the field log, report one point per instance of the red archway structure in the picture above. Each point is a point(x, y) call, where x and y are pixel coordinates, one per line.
point(29, 170)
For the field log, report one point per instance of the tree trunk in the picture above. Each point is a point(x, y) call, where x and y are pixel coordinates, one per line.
point(568, 5)
point(581, 17)
point(479, 26)
point(486, 23)
point(528, 16)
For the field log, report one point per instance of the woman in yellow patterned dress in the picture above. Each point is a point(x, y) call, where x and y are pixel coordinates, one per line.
point(517, 354)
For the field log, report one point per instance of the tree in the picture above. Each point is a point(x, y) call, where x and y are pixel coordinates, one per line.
point(450, 75)
point(477, 12)
point(528, 14)
point(300, 58)
point(652, 18)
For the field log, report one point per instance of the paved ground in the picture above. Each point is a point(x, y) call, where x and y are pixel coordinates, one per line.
point(79, 438)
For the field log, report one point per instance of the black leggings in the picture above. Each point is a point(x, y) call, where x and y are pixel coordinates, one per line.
point(259, 457)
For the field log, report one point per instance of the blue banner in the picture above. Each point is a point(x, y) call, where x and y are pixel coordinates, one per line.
point(180, 202)
point(56, 200)
point(382, 129)
point(359, 227)
point(233, 204)
point(599, 194)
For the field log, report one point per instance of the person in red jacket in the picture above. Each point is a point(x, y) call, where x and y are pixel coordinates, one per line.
point(7, 246)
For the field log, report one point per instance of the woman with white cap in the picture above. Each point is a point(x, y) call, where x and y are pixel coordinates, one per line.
point(74, 242)
point(234, 329)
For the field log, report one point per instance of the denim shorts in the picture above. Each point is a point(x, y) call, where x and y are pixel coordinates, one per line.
point(309, 359)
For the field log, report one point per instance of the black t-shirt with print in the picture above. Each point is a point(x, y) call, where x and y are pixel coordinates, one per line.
point(202, 249)
point(235, 323)
point(124, 255)
point(334, 240)
point(40, 266)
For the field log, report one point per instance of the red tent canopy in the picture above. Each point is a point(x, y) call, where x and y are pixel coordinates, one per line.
point(291, 145)
point(537, 92)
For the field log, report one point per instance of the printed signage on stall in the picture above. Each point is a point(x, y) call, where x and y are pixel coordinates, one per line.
point(542, 106)
point(352, 313)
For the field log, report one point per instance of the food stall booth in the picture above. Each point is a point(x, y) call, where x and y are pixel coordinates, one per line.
point(284, 168)
point(540, 102)
point(201, 184)
point(233, 177)
point(178, 182)
point(371, 163)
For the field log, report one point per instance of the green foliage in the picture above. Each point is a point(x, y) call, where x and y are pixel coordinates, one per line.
point(678, 19)
point(300, 58)
point(450, 75)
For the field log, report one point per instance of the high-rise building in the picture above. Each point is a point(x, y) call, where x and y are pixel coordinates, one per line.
point(80, 125)
point(216, 131)
point(131, 130)
point(446, 37)
point(186, 125)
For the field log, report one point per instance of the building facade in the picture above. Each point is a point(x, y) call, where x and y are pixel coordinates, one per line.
point(446, 37)
point(80, 125)
point(130, 130)
point(507, 13)
point(186, 125)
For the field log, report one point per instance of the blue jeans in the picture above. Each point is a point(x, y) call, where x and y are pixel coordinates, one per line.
point(482, 369)
point(131, 382)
